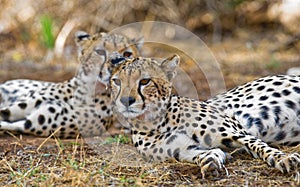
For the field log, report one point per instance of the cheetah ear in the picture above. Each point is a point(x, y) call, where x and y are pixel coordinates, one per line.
point(81, 38)
point(139, 42)
point(169, 66)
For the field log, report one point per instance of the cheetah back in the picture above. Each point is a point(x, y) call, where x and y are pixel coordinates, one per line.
point(269, 108)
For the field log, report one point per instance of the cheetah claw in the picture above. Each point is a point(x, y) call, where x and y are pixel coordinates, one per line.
point(212, 167)
point(288, 163)
point(212, 164)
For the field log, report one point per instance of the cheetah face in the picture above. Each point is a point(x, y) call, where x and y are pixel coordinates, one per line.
point(90, 46)
point(141, 87)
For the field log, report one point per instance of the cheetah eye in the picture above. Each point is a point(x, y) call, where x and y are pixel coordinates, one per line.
point(117, 82)
point(127, 54)
point(144, 82)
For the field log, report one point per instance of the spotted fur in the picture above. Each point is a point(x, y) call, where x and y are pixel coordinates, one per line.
point(72, 107)
point(165, 126)
point(268, 108)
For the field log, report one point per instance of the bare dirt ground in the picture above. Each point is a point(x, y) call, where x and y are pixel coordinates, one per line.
point(244, 54)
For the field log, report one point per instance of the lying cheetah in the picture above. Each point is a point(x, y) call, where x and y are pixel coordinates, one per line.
point(165, 126)
point(12, 90)
point(71, 107)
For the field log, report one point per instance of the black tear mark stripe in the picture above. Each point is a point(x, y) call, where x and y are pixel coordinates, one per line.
point(140, 93)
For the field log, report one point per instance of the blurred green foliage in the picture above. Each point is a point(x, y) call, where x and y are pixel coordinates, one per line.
point(234, 3)
point(47, 31)
point(273, 64)
point(123, 139)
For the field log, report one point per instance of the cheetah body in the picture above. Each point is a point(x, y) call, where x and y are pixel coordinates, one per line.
point(14, 89)
point(268, 108)
point(165, 127)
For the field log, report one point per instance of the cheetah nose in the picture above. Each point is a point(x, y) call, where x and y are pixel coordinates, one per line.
point(127, 101)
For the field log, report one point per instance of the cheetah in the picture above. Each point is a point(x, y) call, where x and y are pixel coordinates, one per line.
point(11, 90)
point(164, 126)
point(68, 108)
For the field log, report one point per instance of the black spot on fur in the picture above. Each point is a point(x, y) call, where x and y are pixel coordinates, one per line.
point(264, 114)
point(5, 114)
point(295, 133)
point(250, 97)
point(227, 142)
point(207, 139)
point(171, 139)
point(51, 109)
point(22, 105)
point(277, 109)
point(221, 129)
point(258, 123)
point(192, 147)
point(238, 113)
point(195, 125)
point(41, 119)
point(286, 92)
point(249, 105)
point(195, 138)
point(263, 98)
point(296, 89)
point(37, 103)
point(277, 83)
point(104, 108)
point(276, 94)
point(236, 100)
point(280, 136)
point(27, 124)
point(246, 115)
point(176, 154)
point(294, 144)
point(273, 102)
point(290, 104)
point(198, 118)
point(260, 88)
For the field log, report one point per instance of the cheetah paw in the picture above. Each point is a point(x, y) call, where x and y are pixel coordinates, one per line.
point(288, 163)
point(212, 164)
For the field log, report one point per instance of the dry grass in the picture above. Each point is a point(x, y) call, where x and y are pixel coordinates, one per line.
point(100, 161)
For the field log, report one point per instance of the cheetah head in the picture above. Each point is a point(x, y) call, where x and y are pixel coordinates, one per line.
point(92, 48)
point(141, 87)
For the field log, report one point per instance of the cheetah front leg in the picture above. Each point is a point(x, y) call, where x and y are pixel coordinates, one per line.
point(274, 157)
point(179, 146)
